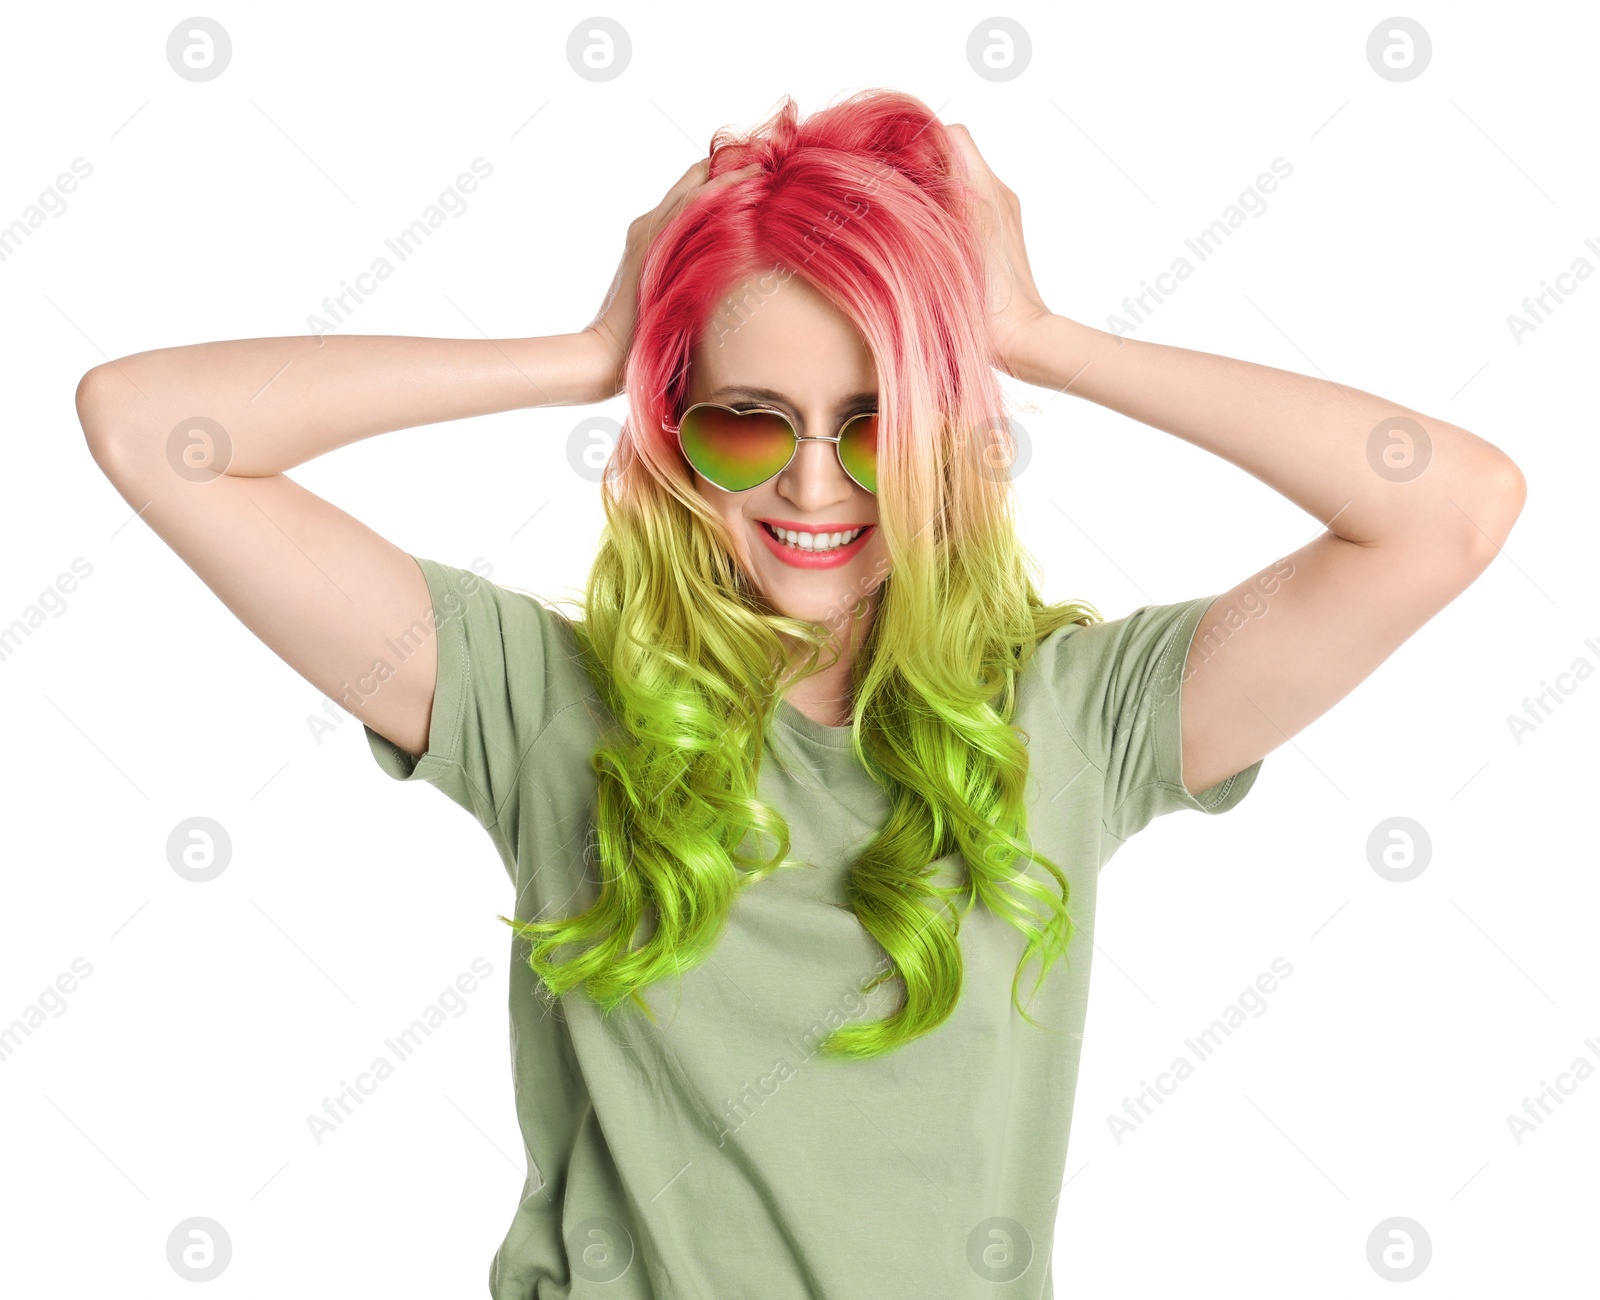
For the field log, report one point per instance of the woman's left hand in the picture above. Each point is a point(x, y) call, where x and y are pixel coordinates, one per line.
point(1014, 305)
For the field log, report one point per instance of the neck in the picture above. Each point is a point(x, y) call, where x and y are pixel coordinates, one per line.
point(825, 696)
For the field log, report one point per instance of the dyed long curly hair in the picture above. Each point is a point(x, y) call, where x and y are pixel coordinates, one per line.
point(865, 201)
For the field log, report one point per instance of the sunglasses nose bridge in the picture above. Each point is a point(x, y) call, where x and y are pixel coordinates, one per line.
point(828, 452)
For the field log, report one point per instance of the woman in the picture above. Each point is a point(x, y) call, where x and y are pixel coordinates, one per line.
point(817, 773)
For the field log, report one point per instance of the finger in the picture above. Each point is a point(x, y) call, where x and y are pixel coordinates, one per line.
point(674, 198)
point(737, 174)
point(696, 179)
point(692, 176)
point(969, 156)
point(969, 151)
point(688, 185)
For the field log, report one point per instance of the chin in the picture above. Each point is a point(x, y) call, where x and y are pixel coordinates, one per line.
point(827, 596)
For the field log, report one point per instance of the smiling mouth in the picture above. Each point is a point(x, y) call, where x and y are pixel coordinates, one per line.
point(815, 543)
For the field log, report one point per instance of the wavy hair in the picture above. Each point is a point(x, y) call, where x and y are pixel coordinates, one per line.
point(865, 201)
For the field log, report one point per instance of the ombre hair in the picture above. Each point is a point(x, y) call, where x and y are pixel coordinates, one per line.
point(864, 200)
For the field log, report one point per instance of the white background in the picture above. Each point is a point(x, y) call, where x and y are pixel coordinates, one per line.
point(217, 1017)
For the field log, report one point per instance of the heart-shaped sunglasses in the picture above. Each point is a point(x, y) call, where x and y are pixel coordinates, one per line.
point(739, 450)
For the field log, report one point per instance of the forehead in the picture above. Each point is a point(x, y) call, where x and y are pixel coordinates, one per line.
point(776, 334)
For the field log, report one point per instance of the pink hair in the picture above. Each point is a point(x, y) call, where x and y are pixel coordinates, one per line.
point(909, 271)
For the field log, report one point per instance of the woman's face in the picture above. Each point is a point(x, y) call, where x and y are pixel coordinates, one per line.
point(777, 343)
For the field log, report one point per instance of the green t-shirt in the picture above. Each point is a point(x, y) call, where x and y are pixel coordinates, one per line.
point(716, 1153)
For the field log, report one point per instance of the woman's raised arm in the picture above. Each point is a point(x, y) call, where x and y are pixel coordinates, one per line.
point(196, 440)
point(284, 401)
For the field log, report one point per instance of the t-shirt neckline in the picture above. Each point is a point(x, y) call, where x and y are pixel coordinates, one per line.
point(820, 732)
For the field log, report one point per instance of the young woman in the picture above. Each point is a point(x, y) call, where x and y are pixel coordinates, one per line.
point(816, 774)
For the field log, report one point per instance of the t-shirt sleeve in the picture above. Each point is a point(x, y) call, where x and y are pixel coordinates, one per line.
point(493, 695)
point(1118, 688)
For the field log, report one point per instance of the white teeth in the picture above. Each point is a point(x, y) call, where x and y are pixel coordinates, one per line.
point(814, 541)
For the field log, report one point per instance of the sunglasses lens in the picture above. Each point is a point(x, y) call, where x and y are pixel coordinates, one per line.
point(736, 450)
point(858, 450)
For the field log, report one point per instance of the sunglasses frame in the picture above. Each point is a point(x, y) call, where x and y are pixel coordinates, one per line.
point(677, 430)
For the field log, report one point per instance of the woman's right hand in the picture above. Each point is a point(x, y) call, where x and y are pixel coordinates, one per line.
point(611, 331)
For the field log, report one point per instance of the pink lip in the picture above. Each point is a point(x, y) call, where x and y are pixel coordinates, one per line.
point(799, 559)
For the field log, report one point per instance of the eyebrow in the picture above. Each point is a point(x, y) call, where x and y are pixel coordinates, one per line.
point(778, 399)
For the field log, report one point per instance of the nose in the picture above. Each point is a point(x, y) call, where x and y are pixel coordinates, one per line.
point(814, 479)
